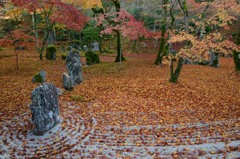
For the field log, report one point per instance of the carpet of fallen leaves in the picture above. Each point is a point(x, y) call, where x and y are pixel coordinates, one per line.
point(132, 93)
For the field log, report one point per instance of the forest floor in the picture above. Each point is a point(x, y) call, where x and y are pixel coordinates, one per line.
point(124, 110)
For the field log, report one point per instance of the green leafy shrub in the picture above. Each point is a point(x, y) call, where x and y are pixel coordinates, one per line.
point(76, 44)
point(51, 52)
point(63, 56)
point(108, 50)
point(91, 58)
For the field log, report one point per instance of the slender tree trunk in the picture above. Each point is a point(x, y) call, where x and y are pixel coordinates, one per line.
point(174, 75)
point(160, 54)
point(119, 57)
point(186, 22)
point(48, 28)
point(162, 51)
point(34, 21)
point(100, 45)
point(155, 45)
point(136, 46)
point(236, 55)
point(50, 39)
point(184, 8)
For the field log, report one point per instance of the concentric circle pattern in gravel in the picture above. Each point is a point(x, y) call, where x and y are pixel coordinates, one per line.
point(92, 137)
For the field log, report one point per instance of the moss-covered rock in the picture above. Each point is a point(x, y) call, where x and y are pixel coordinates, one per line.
point(91, 58)
point(51, 52)
point(39, 77)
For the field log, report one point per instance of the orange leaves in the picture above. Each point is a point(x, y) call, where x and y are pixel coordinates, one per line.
point(88, 4)
point(134, 105)
point(199, 48)
point(181, 37)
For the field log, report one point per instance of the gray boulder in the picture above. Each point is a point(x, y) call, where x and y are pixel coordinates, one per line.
point(67, 82)
point(74, 67)
point(44, 108)
point(39, 77)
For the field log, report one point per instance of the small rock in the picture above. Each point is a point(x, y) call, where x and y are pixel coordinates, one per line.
point(39, 77)
point(67, 82)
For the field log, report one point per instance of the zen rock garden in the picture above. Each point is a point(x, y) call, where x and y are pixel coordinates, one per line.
point(45, 105)
point(120, 79)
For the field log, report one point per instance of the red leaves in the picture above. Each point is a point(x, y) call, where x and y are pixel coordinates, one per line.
point(124, 22)
point(68, 15)
point(62, 12)
point(17, 38)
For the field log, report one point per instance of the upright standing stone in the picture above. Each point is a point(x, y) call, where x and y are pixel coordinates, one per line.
point(95, 46)
point(74, 67)
point(44, 107)
point(67, 82)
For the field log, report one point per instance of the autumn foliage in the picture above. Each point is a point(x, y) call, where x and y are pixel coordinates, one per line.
point(127, 109)
point(63, 13)
point(121, 21)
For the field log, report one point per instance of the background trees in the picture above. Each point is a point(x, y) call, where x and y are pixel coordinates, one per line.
point(199, 28)
point(52, 12)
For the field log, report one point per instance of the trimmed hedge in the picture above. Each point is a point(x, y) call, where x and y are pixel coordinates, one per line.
point(91, 58)
point(51, 52)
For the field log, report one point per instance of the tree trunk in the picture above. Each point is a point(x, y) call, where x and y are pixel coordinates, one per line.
point(48, 29)
point(160, 54)
point(119, 57)
point(50, 39)
point(136, 46)
point(100, 45)
point(35, 28)
point(161, 51)
point(236, 58)
point(236, 55)
point(186, 22)
point(184, 8)
point(174, 75)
